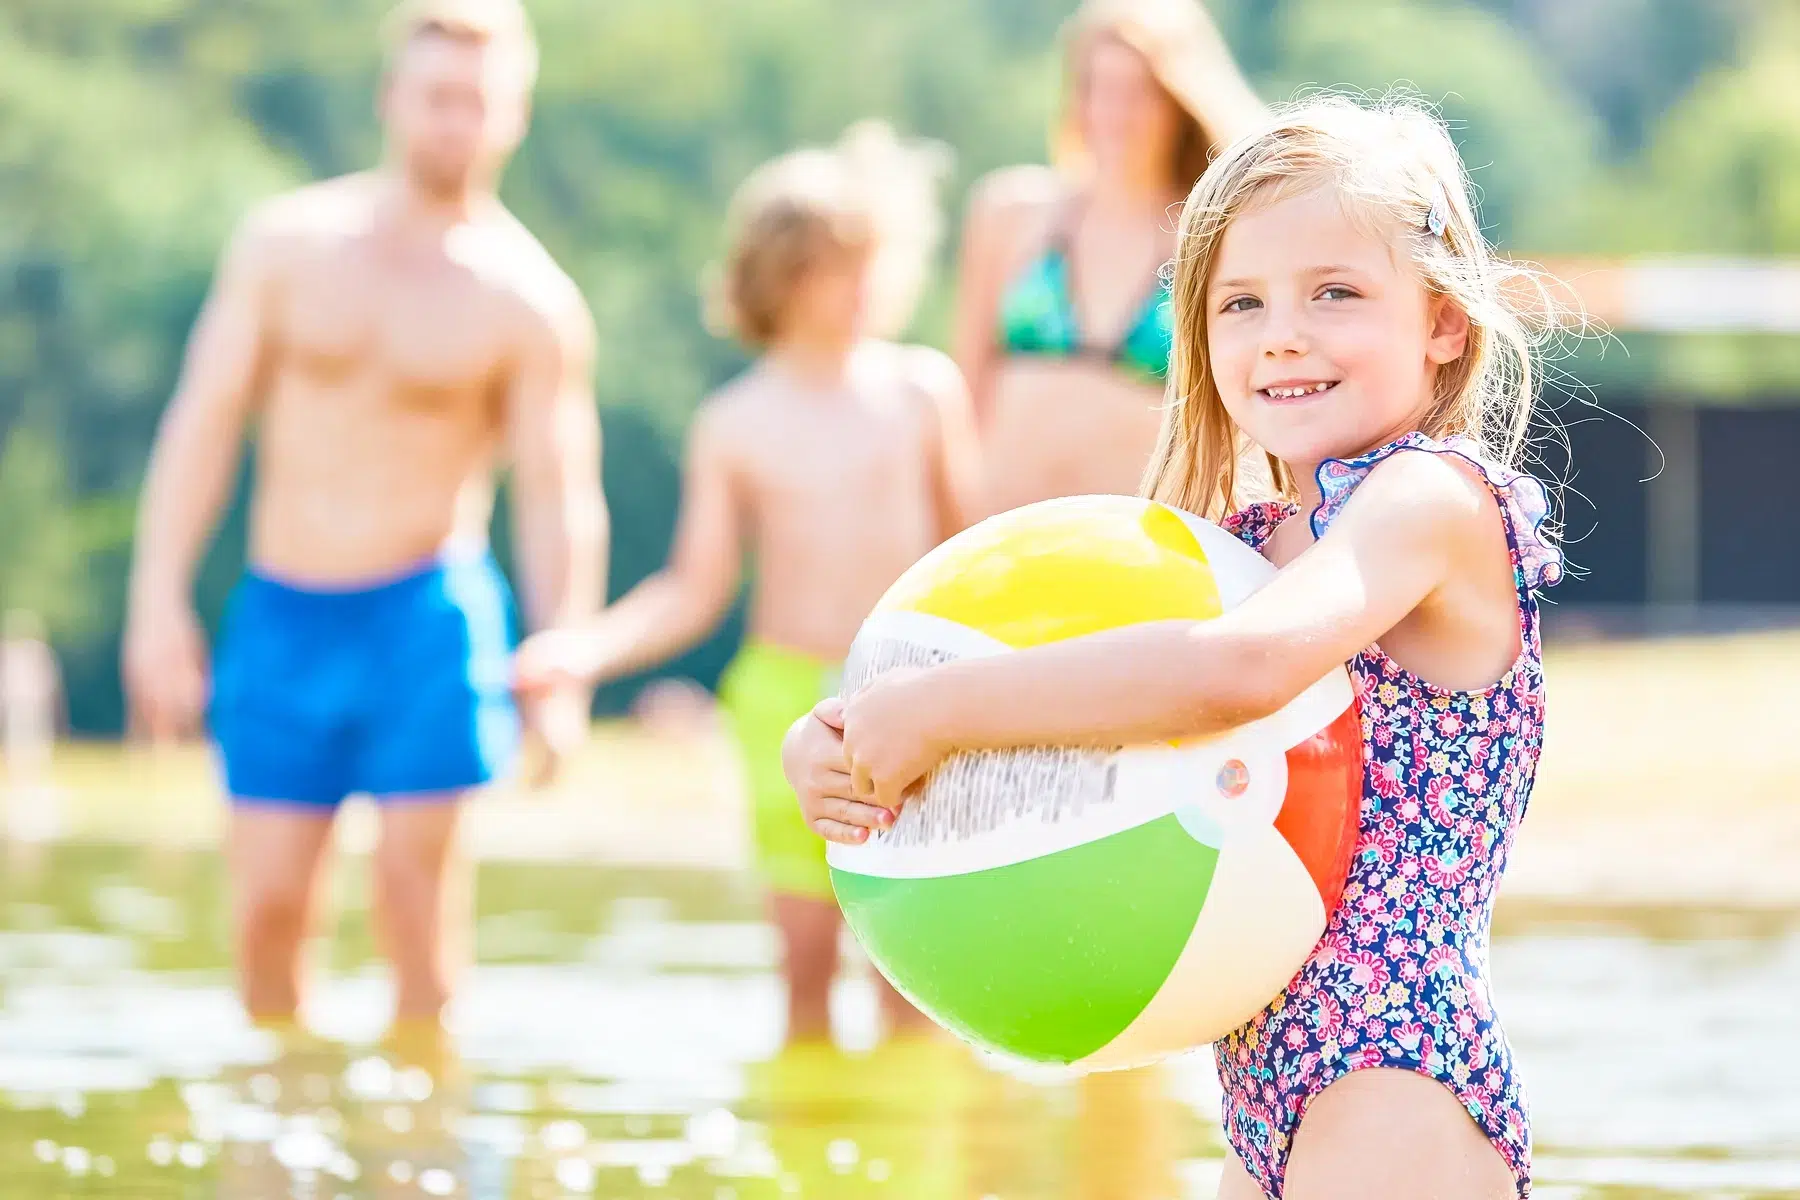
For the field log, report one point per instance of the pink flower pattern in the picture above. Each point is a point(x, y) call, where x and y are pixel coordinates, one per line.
point(1400, 977)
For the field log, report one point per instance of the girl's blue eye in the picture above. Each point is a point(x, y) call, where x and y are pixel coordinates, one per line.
point(1337, 291)
point(1241, 303)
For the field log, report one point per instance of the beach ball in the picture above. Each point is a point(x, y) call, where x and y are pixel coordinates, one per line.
point(1089, 908)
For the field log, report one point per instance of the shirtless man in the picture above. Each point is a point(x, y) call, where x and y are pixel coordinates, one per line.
point(837, 460)
point(394, 335)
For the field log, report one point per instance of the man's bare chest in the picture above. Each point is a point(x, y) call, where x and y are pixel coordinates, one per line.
point(427, 330)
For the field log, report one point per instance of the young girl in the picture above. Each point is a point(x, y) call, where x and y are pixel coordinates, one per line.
point(1335, 305)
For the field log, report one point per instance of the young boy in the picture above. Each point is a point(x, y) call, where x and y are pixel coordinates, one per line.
point(836, 460)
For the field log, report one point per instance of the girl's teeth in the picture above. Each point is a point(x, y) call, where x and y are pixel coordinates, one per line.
point(1295, 393)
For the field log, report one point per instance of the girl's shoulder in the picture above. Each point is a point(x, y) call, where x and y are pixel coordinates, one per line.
point(1523, 499)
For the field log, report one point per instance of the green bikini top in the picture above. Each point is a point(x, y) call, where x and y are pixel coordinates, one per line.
point(1037, 316)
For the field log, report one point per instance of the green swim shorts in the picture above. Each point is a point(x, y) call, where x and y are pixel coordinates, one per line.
point(764, 690)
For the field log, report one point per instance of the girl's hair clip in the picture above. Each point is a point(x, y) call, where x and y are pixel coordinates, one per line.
point(1437, 219)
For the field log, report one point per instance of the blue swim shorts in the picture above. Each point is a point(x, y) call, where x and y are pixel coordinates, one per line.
point(398, 689)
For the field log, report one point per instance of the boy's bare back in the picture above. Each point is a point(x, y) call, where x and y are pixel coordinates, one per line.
point(833, 492)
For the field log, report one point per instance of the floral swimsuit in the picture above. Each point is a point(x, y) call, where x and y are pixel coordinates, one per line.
point(1400, 978)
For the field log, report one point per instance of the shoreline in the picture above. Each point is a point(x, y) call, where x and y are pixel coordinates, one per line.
point(1670, 780)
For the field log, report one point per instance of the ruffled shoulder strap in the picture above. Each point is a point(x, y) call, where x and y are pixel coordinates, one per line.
point(1255, 524)
point(1524, 501)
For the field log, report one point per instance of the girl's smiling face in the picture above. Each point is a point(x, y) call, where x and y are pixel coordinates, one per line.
point(1322, 339)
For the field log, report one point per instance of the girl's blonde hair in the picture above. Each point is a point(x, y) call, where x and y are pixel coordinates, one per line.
point(1395, 167)
point(871, 189)
point(1186, 56)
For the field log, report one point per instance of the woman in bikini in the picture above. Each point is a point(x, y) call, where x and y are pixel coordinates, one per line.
point(1062, 324)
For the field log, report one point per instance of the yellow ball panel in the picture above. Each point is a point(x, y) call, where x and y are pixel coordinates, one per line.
point(1063, 569)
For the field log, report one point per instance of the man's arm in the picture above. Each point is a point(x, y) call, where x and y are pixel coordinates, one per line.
point(193, 462)
point(559, 511)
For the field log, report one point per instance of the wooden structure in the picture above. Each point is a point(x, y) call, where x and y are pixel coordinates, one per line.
point(1689, 296)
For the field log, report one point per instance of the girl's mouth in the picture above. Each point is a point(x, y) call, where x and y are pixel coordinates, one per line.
point(1291, 393)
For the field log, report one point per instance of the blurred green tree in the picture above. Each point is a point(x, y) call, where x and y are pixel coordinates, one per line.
point(1530, 146)
point(1720, 173)
point(1630, 60)
point(48, 537)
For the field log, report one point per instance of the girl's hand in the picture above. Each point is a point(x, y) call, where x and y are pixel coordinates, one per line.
point(890, 738)
point(812, 756)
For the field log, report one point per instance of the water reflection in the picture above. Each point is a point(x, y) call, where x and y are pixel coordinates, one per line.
point(620, 1038)
point(918, 1117)
point(318, 1117)
point(891, 1122)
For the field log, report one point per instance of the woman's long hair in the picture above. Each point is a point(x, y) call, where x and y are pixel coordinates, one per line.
point(1186, 56)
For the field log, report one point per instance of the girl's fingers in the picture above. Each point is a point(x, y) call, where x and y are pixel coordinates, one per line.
point(828, 783)
point(862, 782)
point(834, 783)
point(837, 831)
point(889, 798)
point(854, 812)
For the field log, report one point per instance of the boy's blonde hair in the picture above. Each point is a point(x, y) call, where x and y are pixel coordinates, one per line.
point(1395, 167)
point(501, 23)
point(871, 190)
point(1185, 54)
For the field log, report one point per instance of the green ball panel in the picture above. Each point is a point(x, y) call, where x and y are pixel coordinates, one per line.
point(1047, 959)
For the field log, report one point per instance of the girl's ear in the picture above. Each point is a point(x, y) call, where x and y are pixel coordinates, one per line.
point(1449, 337)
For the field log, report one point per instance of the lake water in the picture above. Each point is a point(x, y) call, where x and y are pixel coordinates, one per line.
point(620, 1034)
